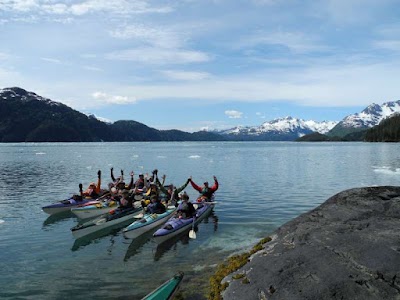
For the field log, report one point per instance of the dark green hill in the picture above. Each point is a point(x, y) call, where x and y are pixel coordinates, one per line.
point(387, 131)
point(318, 137)
point(27, 117)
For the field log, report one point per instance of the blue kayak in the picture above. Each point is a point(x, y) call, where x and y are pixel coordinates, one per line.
point(175, 225)
point(147, 222)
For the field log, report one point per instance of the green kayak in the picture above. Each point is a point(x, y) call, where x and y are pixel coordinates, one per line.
point(167, 290)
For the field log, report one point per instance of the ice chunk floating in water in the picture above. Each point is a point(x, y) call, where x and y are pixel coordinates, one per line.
point(194, 156)
point(387, 170)
point(1, 221)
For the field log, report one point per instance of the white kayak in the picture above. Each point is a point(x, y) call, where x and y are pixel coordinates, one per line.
point(147, 222)
point(113, 218)
point(92, 210)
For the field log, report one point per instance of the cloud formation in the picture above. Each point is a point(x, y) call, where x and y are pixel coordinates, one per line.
point(112, 99)
point(233, 114)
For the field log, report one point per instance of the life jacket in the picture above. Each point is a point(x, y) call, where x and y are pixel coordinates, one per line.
point(183, 206)
point(206, 192)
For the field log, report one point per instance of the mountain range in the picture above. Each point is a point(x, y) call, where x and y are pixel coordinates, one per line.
point(290, 128)
point(28, 117)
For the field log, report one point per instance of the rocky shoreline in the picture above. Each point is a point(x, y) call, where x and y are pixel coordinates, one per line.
point(347, 248)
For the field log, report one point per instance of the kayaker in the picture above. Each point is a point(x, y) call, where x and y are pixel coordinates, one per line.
point(155, 207)
point(115, 181)
point(171, 190)
point(93, 191)
point(140, 182)
point(205, 191)
point(185, 209)
point(125, 201)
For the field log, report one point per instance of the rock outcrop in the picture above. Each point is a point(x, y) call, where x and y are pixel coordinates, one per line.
point(347, 248)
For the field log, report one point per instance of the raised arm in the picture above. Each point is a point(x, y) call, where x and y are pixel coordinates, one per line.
point(178, 190)
point(161, 185)
point(130, 186)
point(98, 182)
point(195, 186)
point(112, 174)
point(215, 186)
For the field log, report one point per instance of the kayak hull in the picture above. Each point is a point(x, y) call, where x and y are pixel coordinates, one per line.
point(167, 290)
point(105, 221)
point(64, 206)
point(94, 210)
point(181, 225)
point(147, 223)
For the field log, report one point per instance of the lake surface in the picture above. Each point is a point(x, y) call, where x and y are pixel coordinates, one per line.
point(262, 186)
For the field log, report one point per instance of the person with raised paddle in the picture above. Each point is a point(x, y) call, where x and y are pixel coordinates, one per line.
point(206, 191)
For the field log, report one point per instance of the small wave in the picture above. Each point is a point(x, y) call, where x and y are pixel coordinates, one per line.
point(194, 156)
point(161, 156)
point(40, 153)
point(135, 156)
point(1, 221)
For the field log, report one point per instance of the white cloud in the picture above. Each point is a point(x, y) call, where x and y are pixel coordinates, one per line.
point(233, 114)
point(119, 7)
point(51, 60)
point(185, 75)
point(153, 36)
point(112, 99)
point(90, 68)
point(294, 41)
point(159, 56)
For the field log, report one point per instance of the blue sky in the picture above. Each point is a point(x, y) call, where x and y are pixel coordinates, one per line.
point(194, 64)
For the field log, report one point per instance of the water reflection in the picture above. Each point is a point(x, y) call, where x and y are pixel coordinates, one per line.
point(183, 238)
point(214, 219)
point(137, 244)
point(172, 244)
point(94, 237)
point(56, 218)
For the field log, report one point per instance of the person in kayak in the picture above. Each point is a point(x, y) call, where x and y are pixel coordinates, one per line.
point(93, 191)
point(171, 192)
point(155, 207)
point(139, 184)
point(125, 201)
point(115, 181)
point(205, 191)
point(185, 209)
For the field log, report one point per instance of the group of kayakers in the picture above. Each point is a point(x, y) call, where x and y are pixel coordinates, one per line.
point(149, 190)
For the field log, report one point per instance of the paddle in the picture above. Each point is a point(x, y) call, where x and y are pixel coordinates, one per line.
point(192, 234)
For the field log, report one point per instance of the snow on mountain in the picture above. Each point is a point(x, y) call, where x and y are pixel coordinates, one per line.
point(282, 126)
point(23, 95)
point(372, 115)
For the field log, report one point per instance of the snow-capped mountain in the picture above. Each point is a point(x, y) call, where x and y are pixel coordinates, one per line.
point(24, 96)
point(287, 128)
point(372, 115)
point(368, 118)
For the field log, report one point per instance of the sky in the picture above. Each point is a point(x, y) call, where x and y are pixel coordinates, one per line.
point(204, 64)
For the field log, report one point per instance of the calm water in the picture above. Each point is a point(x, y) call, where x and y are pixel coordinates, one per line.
point(262, 185)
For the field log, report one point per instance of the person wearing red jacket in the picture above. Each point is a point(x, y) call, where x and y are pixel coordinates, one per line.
point(205, 191)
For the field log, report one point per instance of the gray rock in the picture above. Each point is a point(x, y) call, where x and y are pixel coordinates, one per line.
point(347, 248)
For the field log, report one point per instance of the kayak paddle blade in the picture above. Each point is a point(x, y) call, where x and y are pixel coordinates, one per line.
point(192, 234)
